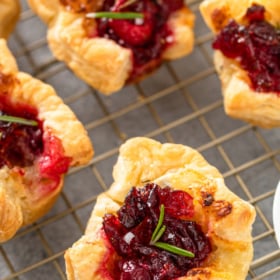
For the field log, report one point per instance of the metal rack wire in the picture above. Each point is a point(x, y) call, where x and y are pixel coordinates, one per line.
point(180, 103)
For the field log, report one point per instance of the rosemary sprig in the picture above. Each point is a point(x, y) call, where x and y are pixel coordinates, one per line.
point(159, 224)
point(115, 15)
point(157, 234)
point(174, 249)
point(12, 119)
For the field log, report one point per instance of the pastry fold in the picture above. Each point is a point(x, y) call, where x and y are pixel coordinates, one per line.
point(9, 15)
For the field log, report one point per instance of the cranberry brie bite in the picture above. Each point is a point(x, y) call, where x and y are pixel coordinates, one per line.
point(40, 138)
point(247, 57)
point(9, 14)
point(168, 215)
point(111, 43)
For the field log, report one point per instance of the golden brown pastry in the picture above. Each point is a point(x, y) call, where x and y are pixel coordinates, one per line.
point(251, 93)
point(9, 14)
point(199, 196)
point(40, 138)
point(107, 53)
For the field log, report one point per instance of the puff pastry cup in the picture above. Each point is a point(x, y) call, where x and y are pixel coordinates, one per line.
point(32, 169)
point(240, 99)
point(101, 62)
point(182, 168)
point(9, 14)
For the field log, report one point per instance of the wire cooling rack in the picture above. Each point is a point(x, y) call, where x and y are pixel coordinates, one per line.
point(180, 103)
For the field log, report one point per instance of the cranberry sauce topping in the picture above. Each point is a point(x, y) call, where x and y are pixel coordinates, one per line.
point(256, 46)
point(19, 144)
point(147, 37)
point(130, 232)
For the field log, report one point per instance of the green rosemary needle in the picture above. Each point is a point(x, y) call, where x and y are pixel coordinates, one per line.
point(157, 234)
point(174, 249)
point(12, 119)
point(115, 15)
point(159, 224)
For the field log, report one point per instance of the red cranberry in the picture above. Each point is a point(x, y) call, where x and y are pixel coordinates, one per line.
point(130, 272)
point(22, 151)
point(257, 47)
point(53, 163)
point(174, 201)
point(255, 12)
point(20, 144)
point(132, 34)
point(130, 232)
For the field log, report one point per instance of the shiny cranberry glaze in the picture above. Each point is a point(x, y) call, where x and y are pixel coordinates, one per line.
point(53, 163)
point(19, 144)
point(130, 232)
point(256, 46)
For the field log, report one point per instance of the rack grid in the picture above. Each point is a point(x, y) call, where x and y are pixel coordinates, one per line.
point(180, 103)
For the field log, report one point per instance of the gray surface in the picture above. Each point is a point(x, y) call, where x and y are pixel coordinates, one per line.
point(192, 115)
